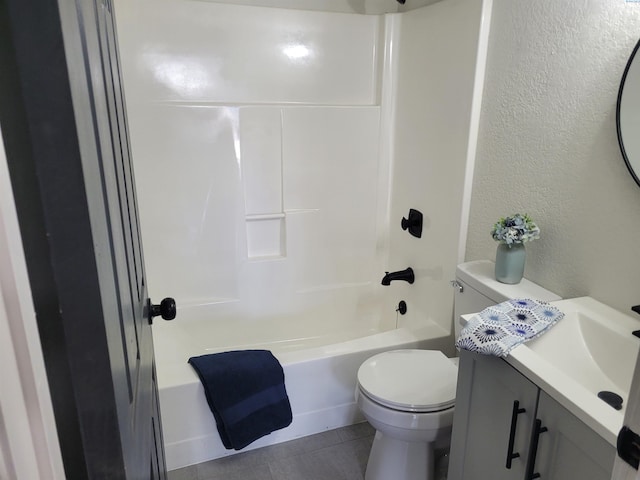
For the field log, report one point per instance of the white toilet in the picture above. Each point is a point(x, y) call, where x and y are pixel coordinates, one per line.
point(408, 396)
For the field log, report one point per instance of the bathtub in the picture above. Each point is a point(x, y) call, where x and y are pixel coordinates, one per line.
point(320, 367)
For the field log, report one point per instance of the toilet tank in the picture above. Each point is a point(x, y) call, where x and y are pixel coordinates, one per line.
point(480, 290)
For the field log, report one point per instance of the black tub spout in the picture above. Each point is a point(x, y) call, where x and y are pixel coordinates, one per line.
point(406, 275)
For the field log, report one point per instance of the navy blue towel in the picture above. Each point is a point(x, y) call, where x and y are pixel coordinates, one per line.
point(246, 393)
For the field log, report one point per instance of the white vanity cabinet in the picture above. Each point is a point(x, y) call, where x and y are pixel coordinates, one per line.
point(506, 428)
point(568, 448)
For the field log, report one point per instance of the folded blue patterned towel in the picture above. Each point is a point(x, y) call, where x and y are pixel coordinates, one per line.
point(499, 329)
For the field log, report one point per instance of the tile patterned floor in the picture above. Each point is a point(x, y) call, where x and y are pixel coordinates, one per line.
point(339, 454)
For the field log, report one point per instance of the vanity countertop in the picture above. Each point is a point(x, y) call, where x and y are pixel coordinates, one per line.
point(592, 349)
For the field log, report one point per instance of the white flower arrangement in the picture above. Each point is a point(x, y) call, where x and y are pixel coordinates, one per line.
point(515, 229)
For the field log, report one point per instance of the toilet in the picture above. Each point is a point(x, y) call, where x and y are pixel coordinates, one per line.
point(408, 396)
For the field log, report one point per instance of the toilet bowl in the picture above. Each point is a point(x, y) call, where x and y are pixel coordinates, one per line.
point(408, 397)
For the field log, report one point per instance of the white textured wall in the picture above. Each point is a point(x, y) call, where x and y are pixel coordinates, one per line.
point(548, 145)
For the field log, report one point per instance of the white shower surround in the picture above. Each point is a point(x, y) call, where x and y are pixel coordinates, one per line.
point(224, 147)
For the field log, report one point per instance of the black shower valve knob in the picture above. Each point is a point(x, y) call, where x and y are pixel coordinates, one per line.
point(413, 223)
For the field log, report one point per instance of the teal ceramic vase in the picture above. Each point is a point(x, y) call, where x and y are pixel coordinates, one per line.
point(510, 263)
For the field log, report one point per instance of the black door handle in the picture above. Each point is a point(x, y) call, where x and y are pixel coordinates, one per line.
point(512, 432)
point(166, 309)
point(533, 449)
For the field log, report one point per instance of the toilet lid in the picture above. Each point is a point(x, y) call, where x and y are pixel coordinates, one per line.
point(410, 380)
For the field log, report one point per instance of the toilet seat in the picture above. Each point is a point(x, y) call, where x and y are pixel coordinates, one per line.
point(420, 381)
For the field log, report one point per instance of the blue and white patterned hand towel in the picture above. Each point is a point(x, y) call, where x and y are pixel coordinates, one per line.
point(499, 329)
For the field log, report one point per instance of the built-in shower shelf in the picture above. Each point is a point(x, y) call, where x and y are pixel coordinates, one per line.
point(266, 236)
point(265, 216)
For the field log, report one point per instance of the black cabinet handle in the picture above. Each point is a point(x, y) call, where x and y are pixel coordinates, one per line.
point(512, 432)
point(533, 449)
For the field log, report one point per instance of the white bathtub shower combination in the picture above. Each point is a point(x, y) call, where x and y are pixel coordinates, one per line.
point(275, 153)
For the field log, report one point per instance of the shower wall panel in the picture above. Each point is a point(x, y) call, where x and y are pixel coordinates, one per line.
point(437, 61)
point(255, 135)
point(193, 51)
point(330, 194)
point(190, 198)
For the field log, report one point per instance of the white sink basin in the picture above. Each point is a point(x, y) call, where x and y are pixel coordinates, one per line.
point(590, 350)
point(592, 344)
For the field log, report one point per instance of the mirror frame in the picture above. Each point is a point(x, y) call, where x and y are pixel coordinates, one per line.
point(618, 104)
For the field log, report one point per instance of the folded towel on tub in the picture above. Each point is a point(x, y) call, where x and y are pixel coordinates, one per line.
point(498, 329)
point(246, 393)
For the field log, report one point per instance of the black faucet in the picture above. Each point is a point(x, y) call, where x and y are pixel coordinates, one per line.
point(406, 275)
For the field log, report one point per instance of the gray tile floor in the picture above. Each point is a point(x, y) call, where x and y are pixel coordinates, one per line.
point(339, 454)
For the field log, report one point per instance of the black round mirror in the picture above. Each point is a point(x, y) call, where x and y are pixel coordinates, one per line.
point(628, 115)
